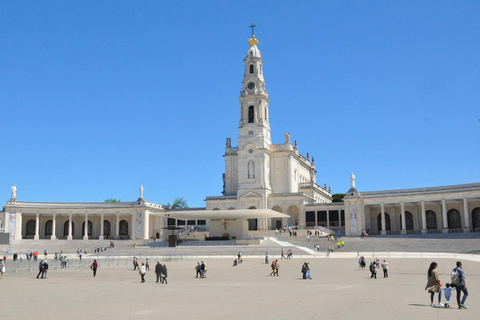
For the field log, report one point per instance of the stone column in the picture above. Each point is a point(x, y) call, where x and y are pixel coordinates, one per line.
point(382, 210)
point(133, 229)
point(146, 224)
point(316, 219)
point(340, 219)
point(424, 218)
point(85, 237)
point(69, 237)
point(402, 212)
point(6, 220)
point(328, 219)
point(101, 227)
point(54, 227)
point(444, 214)
point(466, 215)
point(117, 226)
point(37, 227)
point(18, 226)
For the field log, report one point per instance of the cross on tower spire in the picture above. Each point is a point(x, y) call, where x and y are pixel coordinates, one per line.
point(252, 26)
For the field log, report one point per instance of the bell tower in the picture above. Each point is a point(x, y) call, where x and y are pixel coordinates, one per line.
point(254, 142)
point(254, 126)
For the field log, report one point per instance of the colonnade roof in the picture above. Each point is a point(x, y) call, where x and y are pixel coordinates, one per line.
point(222, 214)
point(472, 187)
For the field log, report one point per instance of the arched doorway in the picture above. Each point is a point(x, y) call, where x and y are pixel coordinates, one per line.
point(408, 221)
point(123, 228)
point(48, 228)
point(431, 220)
point(106, 228)
point(387, 222)
point(30, 228)
point(252, 223)
point(90, 228)
point(293, 212)
point(65, 228)
point(276, 223)
point(476, 219)
point(454, 219)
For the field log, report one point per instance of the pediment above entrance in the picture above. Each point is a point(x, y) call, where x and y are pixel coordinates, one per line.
point(250, 194)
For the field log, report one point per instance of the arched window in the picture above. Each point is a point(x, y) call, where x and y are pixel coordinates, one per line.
point(408, 220)
point(251, 114)
point(453, 219)
point(106, 228)
point(251, 68)
point(431, 220)
point(30, 228)
point(48, 228)
point(123, 228)
point(476, 219)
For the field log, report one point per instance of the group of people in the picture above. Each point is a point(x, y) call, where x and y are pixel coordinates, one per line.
point(201, 269)
point(306, 271)
point(80, 253)
point(42, 269)
point(161, 272)
point(374, 266)
point(458, 283)
point(275, 267)
point(289, 254)
point(29, 255)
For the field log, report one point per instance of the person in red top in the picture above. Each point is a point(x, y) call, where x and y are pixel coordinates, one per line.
point(94, 267)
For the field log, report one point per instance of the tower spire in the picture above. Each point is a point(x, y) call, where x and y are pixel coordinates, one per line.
point(252, 41)
point(253, 26)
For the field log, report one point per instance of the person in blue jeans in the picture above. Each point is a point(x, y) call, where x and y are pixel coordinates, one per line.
point(461, 286)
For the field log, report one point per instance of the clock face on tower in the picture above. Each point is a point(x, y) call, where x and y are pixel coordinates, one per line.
point(251, 85)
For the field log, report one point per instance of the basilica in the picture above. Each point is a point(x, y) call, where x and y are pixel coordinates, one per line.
point(259, 175)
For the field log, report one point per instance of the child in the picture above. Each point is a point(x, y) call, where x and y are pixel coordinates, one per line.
point(448, 293)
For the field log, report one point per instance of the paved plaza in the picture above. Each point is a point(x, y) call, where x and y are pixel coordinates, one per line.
point(338, 290)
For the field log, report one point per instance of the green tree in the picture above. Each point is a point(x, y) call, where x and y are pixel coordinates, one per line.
point(112, 200)
point(178, 203)
point(338, 197)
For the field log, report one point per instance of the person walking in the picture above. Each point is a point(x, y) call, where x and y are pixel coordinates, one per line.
point(283, 254)
point(385, 269)
point(164, 274)
point(94, 267)
point(40, 269)
point(266, 257)
point(373, 270)
point(45, 268)
point(2, 268)
point(147, 265)
point(197, 269)
point(434, 284)
point(158, 271)
point(142, 272)
point(461, 286)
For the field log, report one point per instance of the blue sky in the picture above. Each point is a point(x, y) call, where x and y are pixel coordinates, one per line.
point(98, 97)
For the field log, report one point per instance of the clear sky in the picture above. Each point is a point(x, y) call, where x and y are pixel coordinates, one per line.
point(98, 97)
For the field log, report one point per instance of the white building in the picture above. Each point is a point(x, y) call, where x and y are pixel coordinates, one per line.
point(259, 175)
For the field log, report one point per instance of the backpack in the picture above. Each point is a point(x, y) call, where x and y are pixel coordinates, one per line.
point(455, 279)
point(45, 266)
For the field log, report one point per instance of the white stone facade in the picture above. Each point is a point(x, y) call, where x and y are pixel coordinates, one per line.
point(259, 174)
